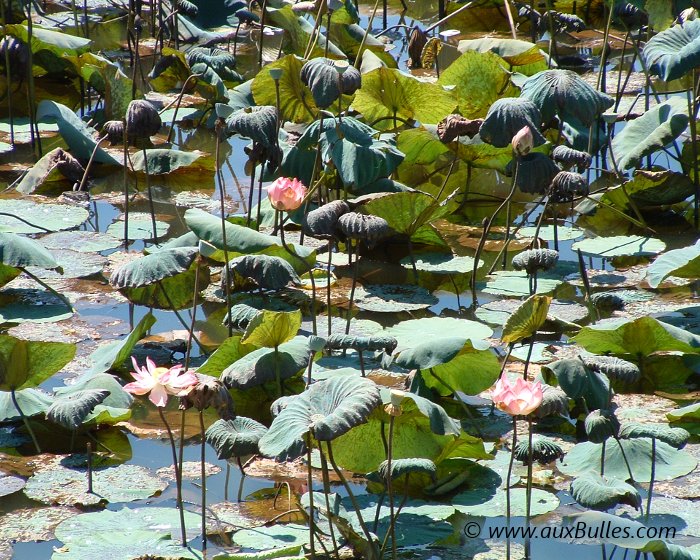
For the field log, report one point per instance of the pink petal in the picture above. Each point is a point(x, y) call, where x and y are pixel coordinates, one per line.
point(138, 387)
point(151, 365)
point(159, 396)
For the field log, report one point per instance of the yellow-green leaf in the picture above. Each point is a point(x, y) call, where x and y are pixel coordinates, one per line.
point(526, 319)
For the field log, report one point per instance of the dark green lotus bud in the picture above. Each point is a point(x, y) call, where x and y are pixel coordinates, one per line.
point(601, 425)
point(544, 450)
point(533, 260)
point(114, 131)
point(142, 120)
point(608, 301)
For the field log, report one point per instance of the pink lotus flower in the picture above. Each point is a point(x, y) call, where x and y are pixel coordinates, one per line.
point(523, 141)
point(519, 398)
point(286, 194)
point(160, 382)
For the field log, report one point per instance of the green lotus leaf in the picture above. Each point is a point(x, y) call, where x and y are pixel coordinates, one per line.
point(351, 36)
point(209, 84)
point(10, 484)
point(683, 263)
point(140, 227)
point(479, 79)
point(125, 545)
point(72, 409)
point(326, 83)
point(270, 329)
point(28, 363)
point(51, 47)
point(512, 283)
point(328, 409)
point(51, 217)
point(565, 94)
point(230, 350)
point(652, 188)
point(264, 365)
point(669, 462)
point(554, 402)
point(613, 367)
point(414, 332)
point(68, 486)
point(114, 408)
point(601, 425)
point(220, 61)
point(393, 298)
point(153, 268)
point(620, 246)
point(159, 161)
point(278, 536)
point(442, 263)
point(298, 33)
point(506, 117)
point(20, 252)
point(296, 101)
point(536, 171)
point(235, 438)
point(32, 402)
point(401, 467)
point(33, 524)
point(655, 129)
point(685, 414)
point(269, 273)
point(527, 319)
point(54, 167)
point(513, 51)
point(674, 52)
point(675, 437)
point(484, 502)
point(544, 450)
point(602, 493)
point(71, 264)
point(112, 355)
point(579, 382)
point(387, 93)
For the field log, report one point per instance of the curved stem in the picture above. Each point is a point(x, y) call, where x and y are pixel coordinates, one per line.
point(390, 489)
point(44, 285)
point(89, 163)
point(24, 420)
point(510, 472)
point(178, 478)
point(310, 485)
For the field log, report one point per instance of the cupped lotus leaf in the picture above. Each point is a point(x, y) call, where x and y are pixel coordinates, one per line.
point(377, 342)
point(257, 123)
point(387, 93)
point(66, 486)
point(401, 467)
point(264, 365)
point(601, 425)
point(674, 52)
point(669, 462)
point(209, 84)
point(28, 363)
point(479, 79)
point(527, 319)
point(50, 217)
point(533, 260)
point(655, 129)
point(579, 382)
point(614, 368)
point(535, 172)
point(240, 316)
point(567, 185)
point(21, 252)
point(569, 157)
point(328, 409)
point(636, 338)
point(221, 61)
point(620, 246)
point(10, 484)
point(683, 263)
point(565, 94)
point(393, 298)
point(74, 131)
point(544, 450)
point(296, 101)
point(554, 402)
point(323, 221)
point(56, 165)
point(114, 408)
point(326, 83)
point(235, 438)
point(140, 227)
point(71, 410)
point(269, 273)
point(483, 502)
point(270, 329)
point(506, 117)
point(602, 493)
point(161, 161)
point(362, 227)
point(675, 437)
point(153, 268)
point(112, 355)
point(414, 332)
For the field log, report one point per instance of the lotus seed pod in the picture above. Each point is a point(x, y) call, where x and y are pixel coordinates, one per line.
point(323, 221)
point(142, 120)
point(276, 73)
point(567, 185)
point(601, 425)
point(317, 343)
point(533, 260)
point(209, 393)
point(394, 407)
point(363, 227)
point(114, 131)
point(544, 450)
point(523, 141)
point(614, 368)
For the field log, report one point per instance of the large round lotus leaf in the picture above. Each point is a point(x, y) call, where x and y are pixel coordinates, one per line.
point(601, 492)
point(674, 52)
point(546, 233)
point(126, 545)
point(669, 464)
point(506, 117)
point(535, 172)
point(497, 312)
point(272, 537)
point(18, 251)
point(514, 51)
point(153, 268)
point(393, 298)
point(434, 353)
point(387, 92)
point(235, 438)
point(71, 410)
point(326, 83)
point(72, 265)
point(414, 332)
point(160, 161)
point(683, 263)
point(483, 502)
point(511, 283)
point(114, 408)
point(620, 246)
point(112, 355)
point(327, 409)
point(28, 363)
point(671, 511)
point(675, 437)
point(656, 128)
point(565, 94)
point(51, 217)
point(10, 484)
point(35, 524)
point(257, 123)
point(263, 365)
point(270, 329)
point(140, 227)
point(269, 273)
point(579, 382)
point(31, 401)
point(64, 486)
point(442, 263)
point(527, 319)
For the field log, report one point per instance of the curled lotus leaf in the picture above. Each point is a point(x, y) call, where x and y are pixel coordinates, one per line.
point(453, 126)
point(328, 409)
point(544, 450)
point(400, 467)
point(568, 157)
point(602, 493)
point(674, 52)
point(280, 404)
point(506, 117)
point(535, 172)
point(72, 409)
point(675, 437)
point(269, 273)
point(326, 82)
point(153, 268)
point(235, 438)
point(114, 131)
point(567, 185)
point(219, 60)
point(257, 123)
point(601, 425)
point(614, 368)
point(323, 221)
point(565, 94)
point(18, 251)
point(579, 382)
point(554, 401)
point(363, 227)
point(372, 343)
point(240, 315)
point(533, 260)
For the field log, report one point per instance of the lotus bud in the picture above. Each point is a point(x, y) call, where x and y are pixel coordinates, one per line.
point(341, 66)
point(142, 119)
point(523, 141)
point(394, 407)
point(209, 392)
point(317, 343)
point(286, 194)
point(276, 73)
point(114, 130)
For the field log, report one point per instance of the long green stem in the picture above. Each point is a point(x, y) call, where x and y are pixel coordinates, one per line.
point(510, 472)
point(390, 489)
point(310, 484)
point(528, 491)
point(220, 180)
point(178, 478)
point(650, 492)
point(151, 206)
point(44, 285)
point(202, 462)
point(326, 492)
point(25, 420)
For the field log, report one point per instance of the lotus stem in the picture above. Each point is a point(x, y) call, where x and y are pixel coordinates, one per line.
point(309, 270)
point(528, 490)
point(89, 467)
point(624, 457)
point(89, 163)
point(358, 58)
point(262, 32)
point(44, 285)
point(390, 489)
point(465, 408)
point(326, 492)
point(25, 421)
point(413, 260)
point(510, 472)
point(226, 480)
point(203, 473)
point(278, 378)
point(310, 484)
point(151, 207)
point(178, 478)
point(529, 351)
point(126, 185)
point(328, 286)
point(251, 189)
point(445, 17)
point(650, 492)
point(8, 79)
point(220, 179)
point(602, 458)
point(177, 314)
point(181, 441)
point(240, 484)
point(354, 283)
point(515, 180)
point(177, 104)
